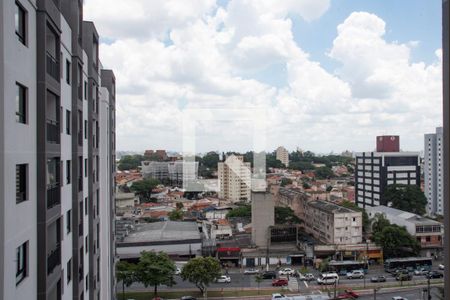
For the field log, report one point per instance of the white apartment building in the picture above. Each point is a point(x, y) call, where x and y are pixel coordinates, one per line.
point(333, 224)
point(56, 155)
point(283, 155)
point(174, 172)
point(376, 170)
point(434, 171)
point(234, 179)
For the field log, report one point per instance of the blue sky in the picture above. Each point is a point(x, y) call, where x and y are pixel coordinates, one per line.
point(324, 90)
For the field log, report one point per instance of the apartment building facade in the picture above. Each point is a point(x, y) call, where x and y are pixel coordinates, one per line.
point(173, 172)
point(333, 224)
point(376, 170)
point(434, 171)
point(283, 155)
point(50, 157)
point(234, 179)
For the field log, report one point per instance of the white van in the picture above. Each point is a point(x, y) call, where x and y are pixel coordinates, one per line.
point(328, 278)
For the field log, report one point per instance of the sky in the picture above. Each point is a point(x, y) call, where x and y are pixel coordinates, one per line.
point(320, 75)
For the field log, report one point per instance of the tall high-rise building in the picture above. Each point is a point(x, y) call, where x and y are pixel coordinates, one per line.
point(434, 171)
point(376, 170)
point(283, 155)
point(234, 179)
point(57, 144)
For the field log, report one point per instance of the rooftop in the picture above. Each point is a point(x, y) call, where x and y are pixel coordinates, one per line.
point(397, 213)
point(330, 207)
point(163, 231)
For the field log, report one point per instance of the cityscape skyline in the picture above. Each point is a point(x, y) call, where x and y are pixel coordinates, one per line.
point(330, 74)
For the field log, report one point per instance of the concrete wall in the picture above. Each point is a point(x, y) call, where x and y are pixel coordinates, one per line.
point(263, 216)
point(18, 146)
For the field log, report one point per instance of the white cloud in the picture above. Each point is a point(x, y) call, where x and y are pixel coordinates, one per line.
point(168, 57)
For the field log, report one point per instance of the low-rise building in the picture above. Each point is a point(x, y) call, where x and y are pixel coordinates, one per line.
point(180, 240)
point(333, 224)
point(126, 200)
point(428, 232)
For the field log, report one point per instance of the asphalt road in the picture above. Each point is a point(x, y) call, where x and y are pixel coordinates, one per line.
point(410, 294)
point(241, 281)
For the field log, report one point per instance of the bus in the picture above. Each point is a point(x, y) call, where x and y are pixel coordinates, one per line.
point(345, 266)
point(409, 263)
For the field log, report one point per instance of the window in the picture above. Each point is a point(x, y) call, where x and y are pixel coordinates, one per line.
point(21, 262)
point(86, 239)
point(21, 182)
point(86, 206)
point(21, 104)
point(69, 221)
point(69, 271)
point(68, 71)
point(85, 167)
point(85, 90)
point(20, 18)
point(68, 121)
point(68, 171)
point(85, 129)
point(87, 282)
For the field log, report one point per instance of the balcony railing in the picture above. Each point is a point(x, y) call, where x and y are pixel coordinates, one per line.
point(54, 259)
point(53, 196)
point(53, 131)
point(52, 67)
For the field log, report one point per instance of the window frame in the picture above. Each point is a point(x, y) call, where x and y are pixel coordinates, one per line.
point(22, 193)
point(21, 117)
point(21, 263)
point(21, 11)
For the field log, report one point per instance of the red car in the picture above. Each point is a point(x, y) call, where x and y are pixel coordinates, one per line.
point(348, 294)
point(280, 282)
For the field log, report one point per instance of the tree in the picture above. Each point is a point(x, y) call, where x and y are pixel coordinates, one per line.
point(241, 211)
point(144, 188)
point(285, 215)
point(176, 215)
point(201, 271)
point(179, 205)
point(379, 222)
point(285, 181)
point(125, 272)
point(301, 166)
point(129, 162)
point(154, 269)
point(323, 173)
point(396, 241)
point(210, 160)
point(406, 197)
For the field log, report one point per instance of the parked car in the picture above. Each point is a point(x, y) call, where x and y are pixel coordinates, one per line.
point(309, 277)
point(278, 296)
point(224, 279)
point(328, 278)
point(280, 282)
point(251, 271)
point(355, 274)
point(435, 274)
point(286, 271)
point(441, 267)
point(269, 275)
point(398, 298)
point(421, 271)
point(403, 277)
point(188, 298)
point(379, 278)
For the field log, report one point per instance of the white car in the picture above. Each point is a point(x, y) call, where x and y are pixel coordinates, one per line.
point(421, 271)
point(328, 278)
point(441, 267)
point(286, 271)
point(251, 271)
point(224, 279)
point(398, 298)
point(355, 274)
point(278, 296)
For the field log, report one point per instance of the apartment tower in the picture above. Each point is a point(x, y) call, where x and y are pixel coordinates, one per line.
point(283, 155)
point(56, 154)
point(434, 171)
point(234, 179)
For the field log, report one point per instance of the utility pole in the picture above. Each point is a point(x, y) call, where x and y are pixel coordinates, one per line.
point(335, 287)
point(375, 290)
point(429, 291)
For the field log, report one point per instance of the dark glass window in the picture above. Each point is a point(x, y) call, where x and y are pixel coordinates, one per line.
point(20, 19)
point(21, 103)
point(21, 182)
point(21, 262)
